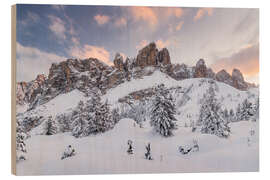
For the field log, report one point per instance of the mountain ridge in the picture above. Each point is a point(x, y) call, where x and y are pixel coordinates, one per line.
point(92, 73)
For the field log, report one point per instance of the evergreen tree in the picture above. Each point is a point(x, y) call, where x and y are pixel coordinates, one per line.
point(90, 126)
point(115, 115)
point(226, 116)
point(211, 118)
point(256, 110)
point(238, 113)
point(20, 144)
point(50, 127)
point(163, 112)
point(64, 121)
point(245, 111)
point(103, 117)
point(79, 120)
point(231, 116)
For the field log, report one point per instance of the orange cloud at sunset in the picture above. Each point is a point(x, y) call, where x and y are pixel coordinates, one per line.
point(177, 12)
point(89, 51)
point(162, 44)
point(101, 19)
point(144, 13)
point(152, 15)
point(120, 22)
point(203, 11)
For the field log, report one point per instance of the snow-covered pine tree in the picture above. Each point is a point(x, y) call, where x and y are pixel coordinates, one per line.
point(89, 116)
point(256, 110)
point(163, 112)
point(238, 113)
point(211, 119)
point(231, 116)
point(116, 115)
point(103, 117)
point(245, 112)
point(50, 127)
point(64, 121)
point(20, 144)
point(225, 114)
point(79, 120)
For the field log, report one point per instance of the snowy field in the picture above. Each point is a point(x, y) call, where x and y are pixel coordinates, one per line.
point(106, 153)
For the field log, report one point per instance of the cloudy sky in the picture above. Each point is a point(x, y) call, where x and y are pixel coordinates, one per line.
point(225, 38)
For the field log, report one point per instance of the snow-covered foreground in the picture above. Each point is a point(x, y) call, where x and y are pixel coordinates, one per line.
point(106, 153)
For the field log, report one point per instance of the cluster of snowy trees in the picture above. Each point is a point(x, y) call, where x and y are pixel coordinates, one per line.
point(211, 116)
point(163, 112)
point(90, 117)
point(214, 120)
point(138, 111)
point(245, 111)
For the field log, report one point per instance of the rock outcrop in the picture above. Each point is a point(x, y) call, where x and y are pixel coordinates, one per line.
point(238, 80)
point(200, 69)
point(224, 76)
point(26, 92)
point(164, 57)
point(150, 56)
point(118, 62)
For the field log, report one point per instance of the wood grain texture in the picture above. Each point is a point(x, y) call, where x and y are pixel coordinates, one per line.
point(13, 89)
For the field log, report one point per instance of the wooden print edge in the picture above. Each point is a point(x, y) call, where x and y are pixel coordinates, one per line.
point(13, 89)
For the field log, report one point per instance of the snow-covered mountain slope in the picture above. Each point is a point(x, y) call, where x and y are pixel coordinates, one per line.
point(186, 93)
point(106, 153)
point(60, 104)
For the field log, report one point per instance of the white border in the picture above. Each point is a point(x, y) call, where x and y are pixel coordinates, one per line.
point(5, 88)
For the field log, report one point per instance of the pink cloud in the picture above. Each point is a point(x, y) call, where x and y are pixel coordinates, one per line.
point(142, 44)
point(202, 12)
point(101, 19)
point(159, 43)
point(179, 25)
point(120, 22)
point(152, 15)
point(89, 51)
point(146, 14)
point(162, 44)
point(176, 12)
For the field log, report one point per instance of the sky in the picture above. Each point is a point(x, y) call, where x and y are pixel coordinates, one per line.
point(225, 38)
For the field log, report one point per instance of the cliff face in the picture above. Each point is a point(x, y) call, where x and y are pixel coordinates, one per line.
point(87, 74)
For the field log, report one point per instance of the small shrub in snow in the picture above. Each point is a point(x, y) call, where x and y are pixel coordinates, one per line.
point(148, 155)
point(50, 127)
point(130, 147)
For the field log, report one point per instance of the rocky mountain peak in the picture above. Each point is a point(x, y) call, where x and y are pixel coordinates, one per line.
point(118, 62)
point(237, 75)
point(164, 57)
point(200, 69)
point(238, 80)
point(150, 56)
